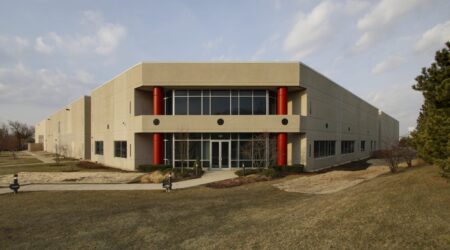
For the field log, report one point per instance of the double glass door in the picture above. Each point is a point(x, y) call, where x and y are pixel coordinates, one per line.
point(220, 154)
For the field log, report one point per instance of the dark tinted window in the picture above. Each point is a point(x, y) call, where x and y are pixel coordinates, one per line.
point(195, 107)
point(180, 105)
point(259, 105)
point(220, 105)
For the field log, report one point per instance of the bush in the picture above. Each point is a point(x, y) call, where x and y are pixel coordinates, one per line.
point(270, 172)
point(445, 167)
point(151, 168)
point(289, 169)
point(187, 172)
point(248, 171)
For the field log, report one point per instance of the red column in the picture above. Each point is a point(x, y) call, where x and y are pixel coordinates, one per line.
point(158, 109)
point(282, 137)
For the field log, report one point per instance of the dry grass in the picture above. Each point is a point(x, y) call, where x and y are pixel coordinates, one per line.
point(406, 210)
point(72, 166)
point(6, 158)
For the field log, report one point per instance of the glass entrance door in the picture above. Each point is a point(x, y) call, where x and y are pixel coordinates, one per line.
point(220, 154)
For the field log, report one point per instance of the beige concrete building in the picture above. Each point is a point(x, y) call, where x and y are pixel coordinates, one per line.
point(68, 131)
point(222, 115)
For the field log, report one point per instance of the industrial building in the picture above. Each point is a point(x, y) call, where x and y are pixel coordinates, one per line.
point(220, 115)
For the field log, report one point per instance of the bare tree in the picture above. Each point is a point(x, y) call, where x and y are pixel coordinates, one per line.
point(181, 150)
point(392, 156)
point(22, 131)
point(261, 149)
point(408, 154)
point(4, 135)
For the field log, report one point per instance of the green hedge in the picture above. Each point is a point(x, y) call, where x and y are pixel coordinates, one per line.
point(151, 168)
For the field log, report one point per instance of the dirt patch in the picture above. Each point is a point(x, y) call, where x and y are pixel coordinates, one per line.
point(97, 166)
point(333, 181)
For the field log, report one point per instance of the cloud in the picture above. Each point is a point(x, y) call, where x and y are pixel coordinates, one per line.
point(266, 46)
point(108, 38)
point(12, 46)
point(434, 38)
point(42, 47)
point(399, 101)
point(376, 23)
point(388, 64)
point(309, 30)
point(104, 40)
point(314, 30)
point(22, 85)
point(213, 44)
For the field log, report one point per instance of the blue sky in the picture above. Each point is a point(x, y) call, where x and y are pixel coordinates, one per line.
point(52, 52)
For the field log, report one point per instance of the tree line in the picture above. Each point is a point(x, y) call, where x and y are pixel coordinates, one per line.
point(15, 135)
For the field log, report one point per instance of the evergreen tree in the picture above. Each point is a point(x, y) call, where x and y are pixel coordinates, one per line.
point(432, 135)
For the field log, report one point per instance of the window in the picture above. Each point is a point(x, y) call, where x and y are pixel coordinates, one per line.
point(220, 102)
point(220, 105)
point(363, 146)
point(324, 148)
point(120, 149)
point(99, 147)
point(347, 147)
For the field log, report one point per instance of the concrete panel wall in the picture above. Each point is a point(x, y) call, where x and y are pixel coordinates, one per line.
point(336, 114)
point(252, 74)
point(388, 130)
point(67, 131)
point(112, 113)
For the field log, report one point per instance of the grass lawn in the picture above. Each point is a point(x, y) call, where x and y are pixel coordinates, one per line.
point(6, 158)
point(52, 167)
point(410, 209)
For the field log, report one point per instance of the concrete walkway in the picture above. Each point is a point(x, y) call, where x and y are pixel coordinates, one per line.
point(208, 177)
point(42, 158)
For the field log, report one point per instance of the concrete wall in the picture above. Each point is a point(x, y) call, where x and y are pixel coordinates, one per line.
point(112, 113)
point(67, 131)
point(334, 113)
point(388, 130)
point(251, 74)
point(35, 147)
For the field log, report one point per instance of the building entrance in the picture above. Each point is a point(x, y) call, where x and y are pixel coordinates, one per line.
point(220, 154)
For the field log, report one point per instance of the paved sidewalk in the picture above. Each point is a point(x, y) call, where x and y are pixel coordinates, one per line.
point(40, 157)
point(208, 177)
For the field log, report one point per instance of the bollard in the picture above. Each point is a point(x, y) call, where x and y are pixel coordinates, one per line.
point(167, 183)
point(15, 186)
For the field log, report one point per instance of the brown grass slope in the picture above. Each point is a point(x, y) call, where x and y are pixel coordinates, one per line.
point(408, 210)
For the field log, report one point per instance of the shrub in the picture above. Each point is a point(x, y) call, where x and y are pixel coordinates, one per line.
point(289, 168)
point(187, 172)
point(248, 171)
point(445, 167)
point(151, 168)
point(270, 172)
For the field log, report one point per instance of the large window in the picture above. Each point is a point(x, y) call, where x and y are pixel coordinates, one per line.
point(363, 146)
point(99, 147)
point(120, 149)
point(253, 150)
point(220, 102)
point(324, 148)
point(347, 147)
